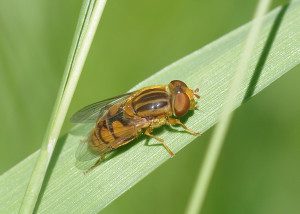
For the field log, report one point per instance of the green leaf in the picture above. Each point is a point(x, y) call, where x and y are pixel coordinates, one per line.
point(211, 68)
point(216, 143)
point(87, 25)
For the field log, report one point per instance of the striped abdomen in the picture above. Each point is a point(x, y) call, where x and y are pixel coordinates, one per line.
point(113, 130)
point(152, 103)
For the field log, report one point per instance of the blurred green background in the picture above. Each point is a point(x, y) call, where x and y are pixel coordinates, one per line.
point(258, 171)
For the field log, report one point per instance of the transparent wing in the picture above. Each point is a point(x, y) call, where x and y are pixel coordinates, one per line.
point(85, 156)
point(92, 112)
point(85, 153)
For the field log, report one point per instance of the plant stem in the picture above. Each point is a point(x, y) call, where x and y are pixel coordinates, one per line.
point(87, 25)
point(205, 174)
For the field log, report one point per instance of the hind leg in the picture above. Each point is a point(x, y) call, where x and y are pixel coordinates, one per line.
point(102, 158)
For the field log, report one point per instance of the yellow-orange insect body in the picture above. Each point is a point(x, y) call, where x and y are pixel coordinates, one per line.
point(121, 119)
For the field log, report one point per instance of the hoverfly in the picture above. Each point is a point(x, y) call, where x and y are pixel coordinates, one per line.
point(121, 119)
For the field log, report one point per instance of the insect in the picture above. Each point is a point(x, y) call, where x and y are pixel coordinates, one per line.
point(121, 119)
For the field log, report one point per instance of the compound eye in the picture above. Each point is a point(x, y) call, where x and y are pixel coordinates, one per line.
point(181, 104)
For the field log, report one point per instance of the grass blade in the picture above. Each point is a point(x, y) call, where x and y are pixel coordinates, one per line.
point(214, 149)
point(211, 69)
point(87, 25)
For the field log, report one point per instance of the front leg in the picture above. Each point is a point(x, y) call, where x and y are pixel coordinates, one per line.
point(174, 121)
point(148, 133)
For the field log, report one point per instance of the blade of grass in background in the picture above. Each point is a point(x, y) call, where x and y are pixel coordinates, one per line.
point(211, 69)
point(211, 157)
point(88, 21)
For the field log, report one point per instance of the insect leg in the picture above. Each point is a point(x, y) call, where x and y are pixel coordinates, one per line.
point(148, 133)
point(174, 121)
point(102, 157)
